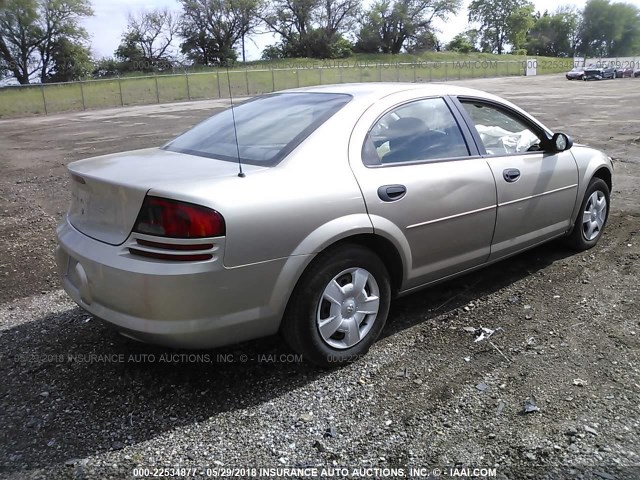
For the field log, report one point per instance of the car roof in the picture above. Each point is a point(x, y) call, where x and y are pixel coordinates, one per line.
point(382, 89)
point(368, 93)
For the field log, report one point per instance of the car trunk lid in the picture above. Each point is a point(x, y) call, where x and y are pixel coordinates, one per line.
point(107, 192)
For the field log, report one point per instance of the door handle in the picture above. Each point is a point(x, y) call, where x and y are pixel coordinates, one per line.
point(391, 193)
point(511, 174)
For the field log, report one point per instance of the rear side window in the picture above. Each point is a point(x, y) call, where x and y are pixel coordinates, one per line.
point(268, 128)
point(418, 131)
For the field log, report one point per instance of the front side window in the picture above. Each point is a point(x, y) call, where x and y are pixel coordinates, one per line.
point(501, 133)
point(268, 128)
point(418, 131)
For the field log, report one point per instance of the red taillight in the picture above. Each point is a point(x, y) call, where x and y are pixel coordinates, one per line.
point(163, 217)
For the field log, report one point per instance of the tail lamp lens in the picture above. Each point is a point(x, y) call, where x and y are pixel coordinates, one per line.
point(164, 217)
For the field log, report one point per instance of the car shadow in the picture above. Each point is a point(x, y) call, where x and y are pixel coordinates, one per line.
point(72, 387)
point(448, 296)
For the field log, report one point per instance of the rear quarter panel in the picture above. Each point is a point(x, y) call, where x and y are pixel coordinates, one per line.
point(298, 207)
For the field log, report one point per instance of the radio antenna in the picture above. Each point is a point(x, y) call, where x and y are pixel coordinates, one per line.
point(235, 129)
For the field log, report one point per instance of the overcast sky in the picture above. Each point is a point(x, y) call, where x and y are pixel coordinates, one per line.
point(110, 20)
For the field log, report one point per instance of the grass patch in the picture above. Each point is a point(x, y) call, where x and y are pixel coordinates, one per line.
point(139, 91)
point(61, 97)
point(17, 101)
point(172, 89)
point(204, 85)
point(101, 94)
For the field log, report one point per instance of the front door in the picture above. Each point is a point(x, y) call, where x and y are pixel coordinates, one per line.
point(536, 190)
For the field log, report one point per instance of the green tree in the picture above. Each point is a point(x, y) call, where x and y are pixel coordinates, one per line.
point(554, 35)
point(609, 29)
point(518, 25)
point(273, 52)
point(391, 25)
point(464, 42)
point(32, 33)
point(212, 28)
point(426, 41)
point(147, 41)
point(70, 62)
point(501, 22)
point(311, 28)
point(106, 67)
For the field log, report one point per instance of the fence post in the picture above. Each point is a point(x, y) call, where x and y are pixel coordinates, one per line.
point(186, 76)
point(431, 72)
point(246, 78)
point(273, 81)
point(44, 100)
point(319, 75)
point(414, 73)
point(120, 88)
point(218, 78)
point(82, 95)
point(157, 89)
point(446, 74)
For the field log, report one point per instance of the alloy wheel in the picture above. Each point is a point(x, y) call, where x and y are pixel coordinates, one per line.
point(348, 308)
point(594, 215)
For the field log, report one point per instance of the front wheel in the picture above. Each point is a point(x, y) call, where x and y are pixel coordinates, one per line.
point(592, 217)
point(339, 306)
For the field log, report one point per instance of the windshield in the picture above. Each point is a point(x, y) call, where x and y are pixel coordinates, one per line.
point(268, 128)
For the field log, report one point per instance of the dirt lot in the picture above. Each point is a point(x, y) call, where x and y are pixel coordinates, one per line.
point(425, 396)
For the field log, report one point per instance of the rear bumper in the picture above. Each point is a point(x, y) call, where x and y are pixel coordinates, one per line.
point(185, 305)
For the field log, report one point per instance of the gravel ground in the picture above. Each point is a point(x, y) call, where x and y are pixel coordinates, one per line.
point(79, 401)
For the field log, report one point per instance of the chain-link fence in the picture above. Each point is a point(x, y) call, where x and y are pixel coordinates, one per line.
point(221, 83)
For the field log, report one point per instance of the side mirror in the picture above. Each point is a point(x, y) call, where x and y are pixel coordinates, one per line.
point(560, 142)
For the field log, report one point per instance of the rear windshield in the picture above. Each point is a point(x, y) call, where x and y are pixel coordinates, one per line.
point(268, 128)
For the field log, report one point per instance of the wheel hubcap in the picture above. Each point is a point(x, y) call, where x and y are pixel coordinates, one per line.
point(348, 308)
point(594, 215)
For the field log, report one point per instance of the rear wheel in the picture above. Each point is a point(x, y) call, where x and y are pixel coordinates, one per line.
point(592, 217)
point(339, 306)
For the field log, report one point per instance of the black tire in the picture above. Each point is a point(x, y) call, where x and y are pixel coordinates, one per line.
point(300, 323)
point(577, 239)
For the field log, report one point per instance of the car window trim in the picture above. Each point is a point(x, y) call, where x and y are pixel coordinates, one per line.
point(472, 148)
point(537, 129)
point(467, 133)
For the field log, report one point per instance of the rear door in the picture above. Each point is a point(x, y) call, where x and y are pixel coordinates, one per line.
point(536, 190)
point(425, 186)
